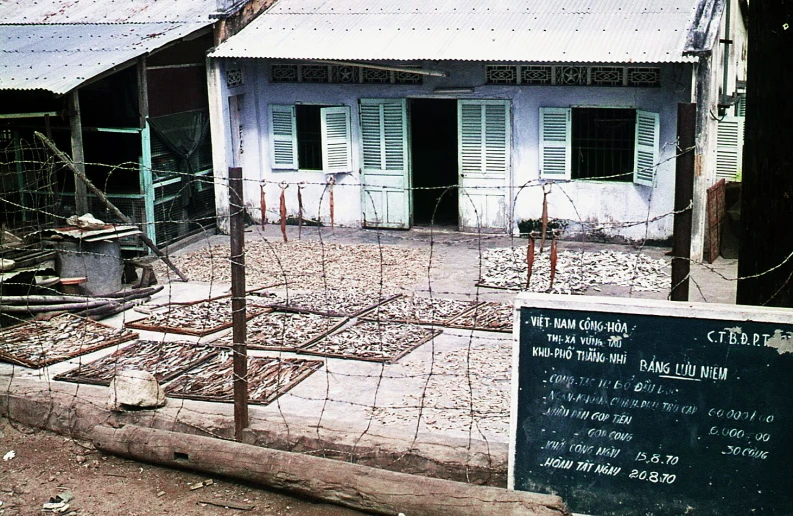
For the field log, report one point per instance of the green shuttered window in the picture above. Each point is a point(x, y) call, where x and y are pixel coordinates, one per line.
point(383, 134)
point(557, 141)
point(646, 156)
point(336, 147)
point(484, 136)
point(283, 137)
point(729, 148)
point(335, 136)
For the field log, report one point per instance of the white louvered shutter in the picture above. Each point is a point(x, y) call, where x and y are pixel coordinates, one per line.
point(283, 137)
point(646, 147)
point(484, 136)
point(471, 137)
point(729, 148)
point(555, 143)
point(336, 146)
point(740, 106)
point(383, 134)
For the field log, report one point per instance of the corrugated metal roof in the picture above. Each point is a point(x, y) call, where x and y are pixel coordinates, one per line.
point(56, 45)
point(104, 11)
point(59, 58)
point(617, 31)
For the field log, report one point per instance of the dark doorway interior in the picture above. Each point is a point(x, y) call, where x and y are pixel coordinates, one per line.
point(433, 126)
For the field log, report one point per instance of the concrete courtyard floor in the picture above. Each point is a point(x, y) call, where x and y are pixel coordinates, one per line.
point(442, 410)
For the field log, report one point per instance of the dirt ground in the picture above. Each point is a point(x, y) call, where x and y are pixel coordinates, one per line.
point(46, 464)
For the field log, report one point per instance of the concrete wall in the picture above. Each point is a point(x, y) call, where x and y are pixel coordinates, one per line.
point(603, 206)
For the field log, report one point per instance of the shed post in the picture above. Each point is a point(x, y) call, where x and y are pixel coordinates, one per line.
point(145, 172)
point(78, 156)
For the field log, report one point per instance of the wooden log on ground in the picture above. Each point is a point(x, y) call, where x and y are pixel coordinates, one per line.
point(101, 312)
point(34, 309)
point(45, 300)
point(128, 295)
point(352, 485)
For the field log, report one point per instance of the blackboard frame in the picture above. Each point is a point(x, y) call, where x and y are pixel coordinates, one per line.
point(679, 313)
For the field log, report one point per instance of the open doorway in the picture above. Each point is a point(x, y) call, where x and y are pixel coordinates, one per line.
point(433, 128)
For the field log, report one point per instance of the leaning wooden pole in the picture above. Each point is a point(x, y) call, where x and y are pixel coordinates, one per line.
point(238, 307)
point(364, 488)
point(112, 207)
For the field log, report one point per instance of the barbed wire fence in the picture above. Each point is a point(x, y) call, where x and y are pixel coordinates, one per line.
point(377, 347)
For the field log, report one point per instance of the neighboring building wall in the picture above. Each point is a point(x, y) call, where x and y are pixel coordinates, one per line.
point(233, 23)
point(599, 204)
point(721, 141)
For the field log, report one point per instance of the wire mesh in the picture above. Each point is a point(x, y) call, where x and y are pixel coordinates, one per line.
point(446, 387)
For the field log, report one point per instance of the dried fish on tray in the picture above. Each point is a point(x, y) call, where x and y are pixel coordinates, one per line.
point(285, 331)
point(198, 318)
point(307, 264)
point(268, 378)
point(486, 316)
point(165, 360)
point(372, 341)
point(576, 271)
point(335, 302)
point(41, 343)
point(419, 310)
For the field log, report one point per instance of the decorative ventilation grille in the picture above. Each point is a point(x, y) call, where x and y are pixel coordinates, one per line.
point(373, 76)
point(341, 74)
point(234, 77)
point(314, 73)
point(607, 75)
point(572, 75)
point(647, 77)
point(284, 73)
point(407, 78)
point(536, 74)
point(501, 74)
point(344, 74)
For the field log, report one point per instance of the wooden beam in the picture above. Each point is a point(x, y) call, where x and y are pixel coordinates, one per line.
point(78, 156)
point(684, 198)
point(143, 92)
point(360, 487)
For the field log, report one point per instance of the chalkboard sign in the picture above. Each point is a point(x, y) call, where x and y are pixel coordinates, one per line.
point(655, 408)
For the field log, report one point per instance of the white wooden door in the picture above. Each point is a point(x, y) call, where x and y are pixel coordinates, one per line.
point(385, 173)
point(484, 142)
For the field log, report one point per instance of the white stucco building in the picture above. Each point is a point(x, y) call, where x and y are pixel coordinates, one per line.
point(465, 113)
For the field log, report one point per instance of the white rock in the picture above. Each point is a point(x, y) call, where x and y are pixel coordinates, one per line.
point(135, 389)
